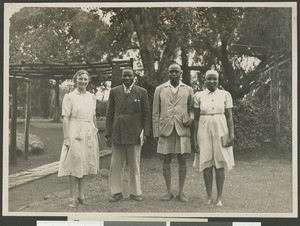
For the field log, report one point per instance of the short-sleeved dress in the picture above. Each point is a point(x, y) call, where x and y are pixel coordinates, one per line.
point(213, 125)
point(82, 158)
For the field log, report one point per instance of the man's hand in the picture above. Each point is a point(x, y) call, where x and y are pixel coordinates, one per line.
point(188, 123)
point(145, 139)
point(156, 139)
point(108, 141)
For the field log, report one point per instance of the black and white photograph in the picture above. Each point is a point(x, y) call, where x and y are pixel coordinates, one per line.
point(150, 110)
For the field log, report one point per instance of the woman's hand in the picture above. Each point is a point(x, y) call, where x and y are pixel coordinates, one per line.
point(67, 143)
point(108, 142)
point(230, 141)
point(197, 149)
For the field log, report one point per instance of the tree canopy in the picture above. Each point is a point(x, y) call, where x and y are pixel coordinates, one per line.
point(208, 37)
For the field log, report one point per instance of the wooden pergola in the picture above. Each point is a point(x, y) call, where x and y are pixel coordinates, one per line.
point(26, 72)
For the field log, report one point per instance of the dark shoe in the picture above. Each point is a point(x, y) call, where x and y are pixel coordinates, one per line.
point(83, 201)
point(116, 197)
point(136, 198)
point(182, 198)
point(167, 197)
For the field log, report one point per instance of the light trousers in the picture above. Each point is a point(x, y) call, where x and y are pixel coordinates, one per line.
point(132, 154)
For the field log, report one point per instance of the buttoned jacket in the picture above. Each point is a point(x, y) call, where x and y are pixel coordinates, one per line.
point(170, 110)
point(127, 116)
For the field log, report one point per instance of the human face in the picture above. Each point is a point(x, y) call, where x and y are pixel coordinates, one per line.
point(127, 77)
point(82, 81)
point(174, 73)
point(212, 82)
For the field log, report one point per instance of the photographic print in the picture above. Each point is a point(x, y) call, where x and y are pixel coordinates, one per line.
point(117, 110)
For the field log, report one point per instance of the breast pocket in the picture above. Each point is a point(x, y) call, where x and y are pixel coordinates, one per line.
point(137, 105)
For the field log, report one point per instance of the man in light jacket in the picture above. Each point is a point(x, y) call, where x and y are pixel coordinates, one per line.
point(171, 117)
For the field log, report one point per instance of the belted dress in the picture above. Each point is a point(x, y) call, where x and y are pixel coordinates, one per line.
point(82, 158)
point(212, 125)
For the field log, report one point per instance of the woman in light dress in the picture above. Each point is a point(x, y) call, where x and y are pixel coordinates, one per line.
point(213, 122)
point(80, 151)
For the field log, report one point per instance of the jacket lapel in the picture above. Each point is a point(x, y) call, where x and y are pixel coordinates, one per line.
point(120, 97)
point(181, 90)
point(130, 98)
point(168, 92)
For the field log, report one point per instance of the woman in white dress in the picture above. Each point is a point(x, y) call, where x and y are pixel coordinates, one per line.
point(80, 151)
point(213, 123)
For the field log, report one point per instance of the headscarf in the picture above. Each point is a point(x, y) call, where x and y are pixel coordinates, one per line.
point(211, 72)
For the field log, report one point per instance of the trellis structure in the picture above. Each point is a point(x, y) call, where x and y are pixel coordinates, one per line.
point(26, 72)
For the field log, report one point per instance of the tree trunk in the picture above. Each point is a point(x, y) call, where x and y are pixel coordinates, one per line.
point(186, 77)
point(141, 25)
point(168, 55)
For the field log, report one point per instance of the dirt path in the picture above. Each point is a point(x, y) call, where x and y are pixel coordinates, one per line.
point(35, 191)
point(38, 190)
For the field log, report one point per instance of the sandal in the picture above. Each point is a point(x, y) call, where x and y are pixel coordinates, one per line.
point(209, 202)
point(219, 203)
point(83, 201)
point(167, 197)
point(72, 203)
point(182, 198)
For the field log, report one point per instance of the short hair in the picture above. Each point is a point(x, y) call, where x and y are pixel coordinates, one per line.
point(174, 63)
point(128, 68)
point(80, 72)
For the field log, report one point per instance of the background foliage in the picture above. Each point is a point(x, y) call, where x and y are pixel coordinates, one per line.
point(240, 43)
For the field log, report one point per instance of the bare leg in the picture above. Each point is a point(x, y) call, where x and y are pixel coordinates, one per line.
point(182, 175)
point(72, 185)
point(220, 177)
point(167, 176)
point(82, 186)
point(208, 179)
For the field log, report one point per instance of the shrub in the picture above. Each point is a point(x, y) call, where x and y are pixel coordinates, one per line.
point(101, 108)
point(253, 125)
point(35, 145)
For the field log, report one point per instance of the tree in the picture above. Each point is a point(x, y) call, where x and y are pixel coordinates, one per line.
point(56, 35)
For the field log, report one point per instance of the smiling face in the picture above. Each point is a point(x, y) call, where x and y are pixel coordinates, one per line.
point(174, 74)
point(212, 82)
point(127, 77)
point(82, 81)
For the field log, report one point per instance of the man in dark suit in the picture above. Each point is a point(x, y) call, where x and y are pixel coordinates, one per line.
point(128, 126)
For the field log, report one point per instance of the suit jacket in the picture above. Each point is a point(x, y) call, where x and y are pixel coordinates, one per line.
point(169, 111)
point(127, 116)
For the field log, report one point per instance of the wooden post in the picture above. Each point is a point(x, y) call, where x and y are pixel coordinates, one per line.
point(56, 116)
point(274, 88)
point(27, 118)
point(116, 75)
point(13, 127)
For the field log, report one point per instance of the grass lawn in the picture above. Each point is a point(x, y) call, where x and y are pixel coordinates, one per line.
point(259, 183)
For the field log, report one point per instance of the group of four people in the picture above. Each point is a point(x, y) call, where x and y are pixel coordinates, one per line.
point(128, 126)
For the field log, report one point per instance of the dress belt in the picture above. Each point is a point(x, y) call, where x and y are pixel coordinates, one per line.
point(212, 114)
point(79, 120)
